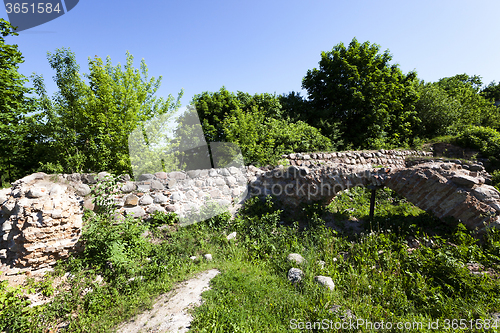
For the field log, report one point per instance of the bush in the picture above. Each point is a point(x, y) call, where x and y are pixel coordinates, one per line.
point(263, 139)
point(496, 179)
point(486, 139)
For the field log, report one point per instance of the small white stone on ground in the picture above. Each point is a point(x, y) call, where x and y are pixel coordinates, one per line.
point(325, 281)
point(295, 257)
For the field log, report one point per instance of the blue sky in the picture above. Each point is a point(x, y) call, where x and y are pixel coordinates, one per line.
point(266, 46)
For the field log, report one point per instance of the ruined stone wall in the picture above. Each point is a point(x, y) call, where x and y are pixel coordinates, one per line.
point(40, 222)
point(388, 158)
point(41, 215)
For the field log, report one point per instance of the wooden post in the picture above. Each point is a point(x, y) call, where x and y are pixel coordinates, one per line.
point(372, 202)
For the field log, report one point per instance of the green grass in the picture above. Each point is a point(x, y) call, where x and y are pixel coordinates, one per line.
point(377, 278)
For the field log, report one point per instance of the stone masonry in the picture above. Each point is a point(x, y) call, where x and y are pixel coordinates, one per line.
point(41, 215)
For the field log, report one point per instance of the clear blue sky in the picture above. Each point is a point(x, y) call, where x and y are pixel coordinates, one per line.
point(266, 46)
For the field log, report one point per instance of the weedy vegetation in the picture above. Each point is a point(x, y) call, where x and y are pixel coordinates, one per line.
point(405, 266)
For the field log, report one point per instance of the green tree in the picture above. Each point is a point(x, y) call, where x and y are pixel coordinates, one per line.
point(214, 107)
point(15, 103)
point(475, 109)
point(492, 92)
point(357, 90)
point(263, 139)
point(296, 107)
point(437, 111)
point(258, 124)
point(86, 126)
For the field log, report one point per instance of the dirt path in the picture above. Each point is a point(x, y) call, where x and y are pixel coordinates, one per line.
point(170, 311)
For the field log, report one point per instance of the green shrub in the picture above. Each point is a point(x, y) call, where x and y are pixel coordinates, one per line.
point(496, 179)
point(14, 310)
point(486, 139)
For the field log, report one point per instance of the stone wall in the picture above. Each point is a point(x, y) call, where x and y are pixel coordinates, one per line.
point(366, 158)
point(40, 222)
point(41, 215)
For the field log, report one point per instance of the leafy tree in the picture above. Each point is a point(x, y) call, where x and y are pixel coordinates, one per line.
point(436, 110)
point(213, 107)
point(296, 107)
point(263, 139)
point(357, 90)
point(86, 126)
point(14, 105)
point(258, 124)
point(475, 109)
point(492, 92)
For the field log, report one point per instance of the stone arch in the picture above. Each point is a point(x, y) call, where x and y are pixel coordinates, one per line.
point(445, 189)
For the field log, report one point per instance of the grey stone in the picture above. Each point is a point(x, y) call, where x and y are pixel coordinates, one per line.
point(56, 213)
point(136, 211)
point(160, 199)
point(124, 177)
point(224, 172)
point(220, 182)
point(89, 178)
point(193, 173)
point(234, 170)
point(231, 181)
point(128, 187)
point(486, 193)
point(7, 225)
point(464, 180)
point(476, 167)
point(157, 185)
point(296, 258)
point(177, 175)
point(145, 176)
point(231, 235)
point(103, 175)
point(8, 208)
point(74, 177)
point(146, 200)
point(154, 208)
point(82, 189)
point(325, 281)
point(295, 275)
point(37, 192)
point(177, 196)
point(143, 187)
point(161, 175)
point(208, 257)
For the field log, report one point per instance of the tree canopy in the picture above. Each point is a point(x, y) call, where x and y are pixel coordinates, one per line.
point(474, 108)
point(15, 103)
point(86, 126)
point(256, 124)
point(357, 90)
